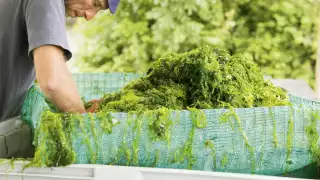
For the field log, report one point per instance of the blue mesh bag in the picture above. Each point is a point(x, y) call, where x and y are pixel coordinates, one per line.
point(262, 140)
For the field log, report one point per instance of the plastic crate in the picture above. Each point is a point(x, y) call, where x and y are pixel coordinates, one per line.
point(101, 172)
point(218, 147)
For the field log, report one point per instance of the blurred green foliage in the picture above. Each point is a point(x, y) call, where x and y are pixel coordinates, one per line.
point(280, 35)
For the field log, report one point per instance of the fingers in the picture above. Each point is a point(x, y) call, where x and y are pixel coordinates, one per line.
point(94, 105)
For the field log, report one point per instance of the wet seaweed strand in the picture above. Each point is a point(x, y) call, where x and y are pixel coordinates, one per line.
point(313, 136)
point(227, 117)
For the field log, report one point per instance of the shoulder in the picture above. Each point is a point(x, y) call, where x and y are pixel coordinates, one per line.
point(46, 24)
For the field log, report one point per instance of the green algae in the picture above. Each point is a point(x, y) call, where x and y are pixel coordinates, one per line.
point(204, 78)
point(56, 131)
point(94, 154)
point(209, 144)
point(159, 124)
point(227, 117)
point(124, 149)
point(137, 134)
point(289, 139)
point(313, 136)
point(198, 119)
point(225, 160)
point(156, 159)
point(54, 148)
point(186, 153)
point(275, 138)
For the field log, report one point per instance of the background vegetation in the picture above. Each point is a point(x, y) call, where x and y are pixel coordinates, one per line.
point(280, 35)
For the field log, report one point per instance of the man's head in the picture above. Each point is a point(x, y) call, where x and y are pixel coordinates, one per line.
point(89, 8)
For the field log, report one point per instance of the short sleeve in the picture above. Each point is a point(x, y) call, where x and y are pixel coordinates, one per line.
point(46, 25)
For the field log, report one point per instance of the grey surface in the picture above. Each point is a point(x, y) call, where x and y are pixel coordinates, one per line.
point(3, 150)
point(296, 86)
point(25, 25)
point(17, 141)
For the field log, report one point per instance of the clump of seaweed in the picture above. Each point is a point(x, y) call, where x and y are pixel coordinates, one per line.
point(203, 78)
point(54, 147)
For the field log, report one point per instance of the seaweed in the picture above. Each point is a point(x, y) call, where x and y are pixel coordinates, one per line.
point(204, 78)
point(54, 147)
point(313, 137)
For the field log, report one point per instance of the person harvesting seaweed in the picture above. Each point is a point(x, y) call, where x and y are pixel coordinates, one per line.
point(33, 45)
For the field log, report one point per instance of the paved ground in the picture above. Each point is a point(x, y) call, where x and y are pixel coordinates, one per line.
point(297, 87)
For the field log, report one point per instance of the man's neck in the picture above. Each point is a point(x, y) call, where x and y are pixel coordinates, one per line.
point(103, 4)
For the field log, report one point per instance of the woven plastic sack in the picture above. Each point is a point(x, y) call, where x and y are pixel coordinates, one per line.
point(268, 141)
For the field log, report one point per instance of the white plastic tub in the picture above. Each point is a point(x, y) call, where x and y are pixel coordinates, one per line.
point(100, 172)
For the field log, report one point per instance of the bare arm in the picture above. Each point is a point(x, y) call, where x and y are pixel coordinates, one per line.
point(55, 79)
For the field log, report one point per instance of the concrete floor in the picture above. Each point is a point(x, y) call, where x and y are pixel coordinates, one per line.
point(296, 87)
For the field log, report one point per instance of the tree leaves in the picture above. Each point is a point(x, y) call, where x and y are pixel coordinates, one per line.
point(280, 36)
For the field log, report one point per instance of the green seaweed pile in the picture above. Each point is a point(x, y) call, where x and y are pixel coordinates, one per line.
point(203, 78)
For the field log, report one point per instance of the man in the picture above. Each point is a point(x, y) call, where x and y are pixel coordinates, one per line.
point(33, 45)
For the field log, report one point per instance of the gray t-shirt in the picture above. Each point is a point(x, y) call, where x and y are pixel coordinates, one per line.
point(24, 26)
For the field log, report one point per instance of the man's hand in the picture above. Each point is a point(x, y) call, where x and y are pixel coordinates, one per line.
point(93, 105)
point(55, 79)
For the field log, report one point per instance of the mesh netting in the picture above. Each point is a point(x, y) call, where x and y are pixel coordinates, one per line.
point(268, 141)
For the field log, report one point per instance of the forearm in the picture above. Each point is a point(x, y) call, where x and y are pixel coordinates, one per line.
point(55, 79)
